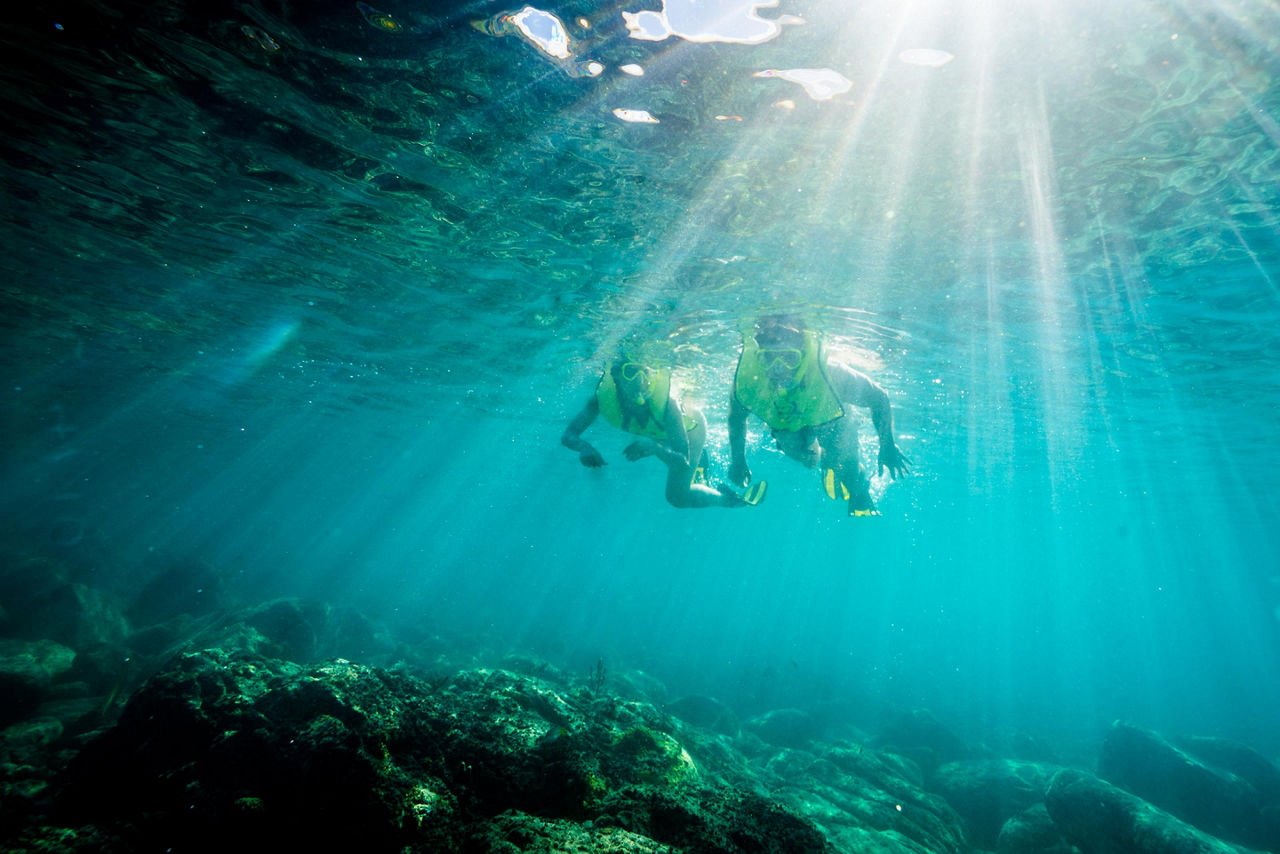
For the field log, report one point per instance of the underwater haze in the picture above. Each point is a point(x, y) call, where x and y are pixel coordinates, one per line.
point(302, 297)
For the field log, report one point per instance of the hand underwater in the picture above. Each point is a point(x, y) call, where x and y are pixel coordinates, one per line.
point(895, 461)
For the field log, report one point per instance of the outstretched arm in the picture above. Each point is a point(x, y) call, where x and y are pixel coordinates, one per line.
point(572, 438)
point(859, 389)
point(739, 473)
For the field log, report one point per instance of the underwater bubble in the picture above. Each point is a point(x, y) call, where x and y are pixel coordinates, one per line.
point(632, 69)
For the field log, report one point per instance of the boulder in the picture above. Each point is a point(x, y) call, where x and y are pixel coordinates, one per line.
point(26, 743)
point(920, 736)
point(300, 630)
point(793, 728)
point(867, 800)
point(1237, 758)
point(50, 606)
point(712, 821)
point(1212, 798)
point(1032, 831)
point(514, 832)
point(28, 669)
point(707, 713)
point(176, 587)
point(988, 792)
point(1100, 818)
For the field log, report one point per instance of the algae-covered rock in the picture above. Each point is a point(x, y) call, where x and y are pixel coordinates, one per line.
point(514, 832)
point(222, 748)
point(643, 755)
point(987, 792)
point(219, 748)
point(1100, 818)
point(714, 821)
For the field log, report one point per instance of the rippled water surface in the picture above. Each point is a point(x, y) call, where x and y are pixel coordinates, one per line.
point(307, 292)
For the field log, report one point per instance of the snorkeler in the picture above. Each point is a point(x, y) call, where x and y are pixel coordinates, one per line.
point(637, 398)
point(786, 379)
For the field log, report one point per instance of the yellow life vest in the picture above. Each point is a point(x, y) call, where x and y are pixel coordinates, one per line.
point(806, 400)
point(643, 418)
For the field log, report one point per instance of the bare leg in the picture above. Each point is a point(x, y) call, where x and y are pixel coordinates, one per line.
point(680, 491)
point(697, 436)
point(841, 453)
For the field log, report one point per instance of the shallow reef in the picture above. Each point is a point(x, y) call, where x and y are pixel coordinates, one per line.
point(302, 725)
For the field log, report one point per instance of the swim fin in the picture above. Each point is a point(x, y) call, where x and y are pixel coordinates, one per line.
point(860, 503)
point(829, 483)
point(755, 492)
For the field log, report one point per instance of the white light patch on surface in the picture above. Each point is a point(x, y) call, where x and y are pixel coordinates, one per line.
point(544, 30)
point(640, 117)
point(926, 57)
point(632, 69)
point(820, 84)
point(734, 21)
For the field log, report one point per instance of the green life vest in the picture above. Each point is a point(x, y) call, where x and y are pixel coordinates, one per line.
point(647, 418)
point(806, 400)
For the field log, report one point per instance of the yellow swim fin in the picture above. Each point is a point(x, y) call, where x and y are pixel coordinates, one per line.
point(755, 492)
point(829, 483)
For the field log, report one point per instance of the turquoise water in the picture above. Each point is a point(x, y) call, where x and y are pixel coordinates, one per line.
point(309, 300)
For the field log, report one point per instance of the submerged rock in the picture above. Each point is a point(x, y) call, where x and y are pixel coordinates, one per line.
point(866, 800)
point(1214, 799)
point(1100, 818)
point(222, 747)
point(52, 607)
point(785, 727)
point(919, 735)
point(28, 670)
point(714, 821)
point(988, 792)
point(515, 832)
point(1032, 831)
point(1238, 759)
point(707, 713)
